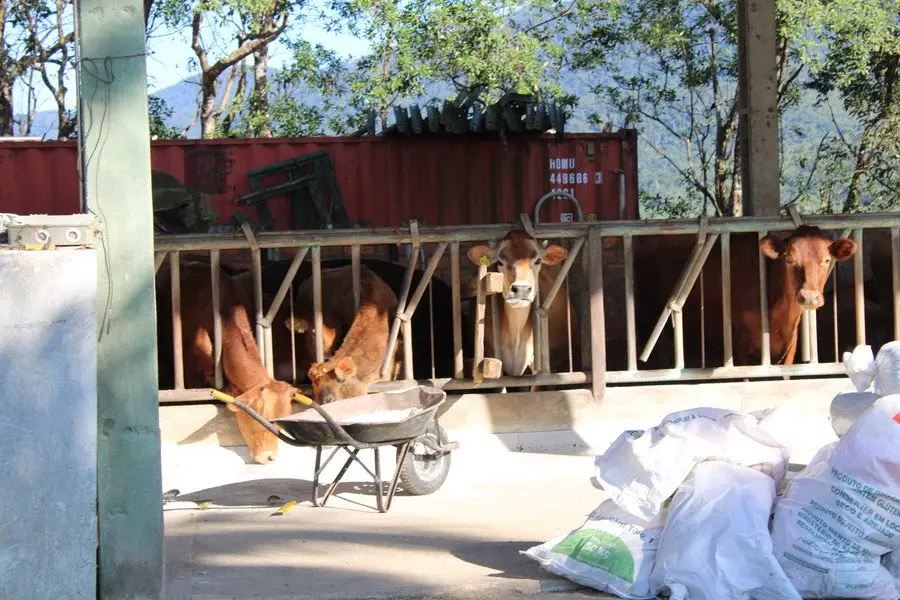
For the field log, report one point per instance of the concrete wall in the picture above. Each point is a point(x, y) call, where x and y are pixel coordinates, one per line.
point(569, 422)
point(48, 424)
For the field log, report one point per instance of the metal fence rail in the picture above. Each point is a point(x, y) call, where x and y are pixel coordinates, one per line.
point(586, 243)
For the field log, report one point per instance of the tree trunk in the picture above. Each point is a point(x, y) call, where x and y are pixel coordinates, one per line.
point(259, 100)
point(852, 203)
point(208, 116)
point(737, 187)
point(6, 105)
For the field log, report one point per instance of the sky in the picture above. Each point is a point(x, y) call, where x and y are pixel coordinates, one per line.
point(169, 58)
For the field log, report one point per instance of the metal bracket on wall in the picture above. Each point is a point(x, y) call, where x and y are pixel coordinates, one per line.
point(53, 230)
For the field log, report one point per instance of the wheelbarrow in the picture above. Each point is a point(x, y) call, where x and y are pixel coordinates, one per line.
point(405, 419)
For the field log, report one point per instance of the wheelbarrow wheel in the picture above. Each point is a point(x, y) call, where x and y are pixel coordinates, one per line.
point(423, 472)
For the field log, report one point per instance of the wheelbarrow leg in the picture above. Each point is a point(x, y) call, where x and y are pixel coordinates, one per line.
point(402, 451)
point(340, 475)
point(319, 468)
point(379, 497)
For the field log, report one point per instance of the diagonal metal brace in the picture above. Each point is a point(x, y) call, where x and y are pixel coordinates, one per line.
point(679, 295)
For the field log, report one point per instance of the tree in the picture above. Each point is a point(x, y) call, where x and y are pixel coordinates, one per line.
point(672, 64)
point(46, 25)
point(852, 50)
point(469, 46)
point(251, 29)
point(23, 47)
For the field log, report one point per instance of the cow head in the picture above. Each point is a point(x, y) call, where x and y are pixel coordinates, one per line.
point(272, 401)
point(806, 257)
point(336, 379)
point(302, 326)
point(519, 257)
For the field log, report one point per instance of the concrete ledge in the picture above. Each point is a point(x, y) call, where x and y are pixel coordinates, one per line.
point(567, 422)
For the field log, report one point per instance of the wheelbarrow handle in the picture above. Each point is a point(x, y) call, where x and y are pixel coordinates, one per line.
point(339, 431)
point(223, 397)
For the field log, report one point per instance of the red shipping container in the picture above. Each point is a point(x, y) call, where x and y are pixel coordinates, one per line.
point(440, 180)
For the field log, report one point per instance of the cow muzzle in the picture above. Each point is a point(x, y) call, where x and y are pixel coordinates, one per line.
point(810, 299)
point(521, 293)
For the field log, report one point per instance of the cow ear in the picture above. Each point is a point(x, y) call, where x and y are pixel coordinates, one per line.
point(842, 249)
point(553, 254)
point(344, 368)
point(771, 246)
point(297, 325)
point(479, 254)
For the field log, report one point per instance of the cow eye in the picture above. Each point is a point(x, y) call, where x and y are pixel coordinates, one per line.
point(537, 260)
point(501, 261)
point(788, 260)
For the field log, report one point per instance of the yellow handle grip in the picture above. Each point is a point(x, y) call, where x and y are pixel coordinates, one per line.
point(303, 399)
point(221, 396)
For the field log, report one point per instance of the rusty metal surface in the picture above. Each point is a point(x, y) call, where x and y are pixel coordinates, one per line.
point(440, 180)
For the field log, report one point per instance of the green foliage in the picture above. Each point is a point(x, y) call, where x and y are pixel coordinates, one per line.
point(851, 49)
point(671, 68)
point(160, 113)
point(472, 45)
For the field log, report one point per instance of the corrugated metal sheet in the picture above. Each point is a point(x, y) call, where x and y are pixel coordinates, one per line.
point(447, 180)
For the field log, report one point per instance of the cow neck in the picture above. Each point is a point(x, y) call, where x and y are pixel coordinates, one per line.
point(242, 362)
point(784, 314)
point(517, 329)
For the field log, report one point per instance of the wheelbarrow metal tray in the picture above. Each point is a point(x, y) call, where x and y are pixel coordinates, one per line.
point(376, 418)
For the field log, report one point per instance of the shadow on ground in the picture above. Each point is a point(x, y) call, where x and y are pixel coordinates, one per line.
point(256, 493)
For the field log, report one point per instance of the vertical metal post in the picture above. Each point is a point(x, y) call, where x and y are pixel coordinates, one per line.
point(859, 289)
point(457, 311)
point(630, 333)
point(114, 152)
point(834, 294)
point(597, 323)
point(765, 348)
point(585, 308)
point(561, 278)
point(215, 265)
point(177, 345)
point(293, 341)
point(357, 285)
point(495, 301)
point(726, 301)
point(813, 338)
point(317, 301)
point(258, 301)
point(702, 322)
point(804, 336)
point(895, 269)
point(537, 331)
point(678, 326)
point(479, 323)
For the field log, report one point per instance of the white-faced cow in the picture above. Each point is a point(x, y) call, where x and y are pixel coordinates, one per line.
point(523, 261)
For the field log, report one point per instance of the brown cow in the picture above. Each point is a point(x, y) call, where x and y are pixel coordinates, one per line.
point(243, 369)
point(523, 260)
point(796, 272)
point(359, 339)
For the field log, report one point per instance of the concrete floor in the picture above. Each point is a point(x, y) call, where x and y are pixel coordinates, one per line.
point(461, 542)
point(505, 493)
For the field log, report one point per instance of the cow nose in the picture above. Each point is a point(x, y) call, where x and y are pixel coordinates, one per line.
point(810, 297)
point(265, 457)
point(520, 290)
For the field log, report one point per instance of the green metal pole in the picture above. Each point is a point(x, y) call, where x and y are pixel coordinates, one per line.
point(115, 164)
